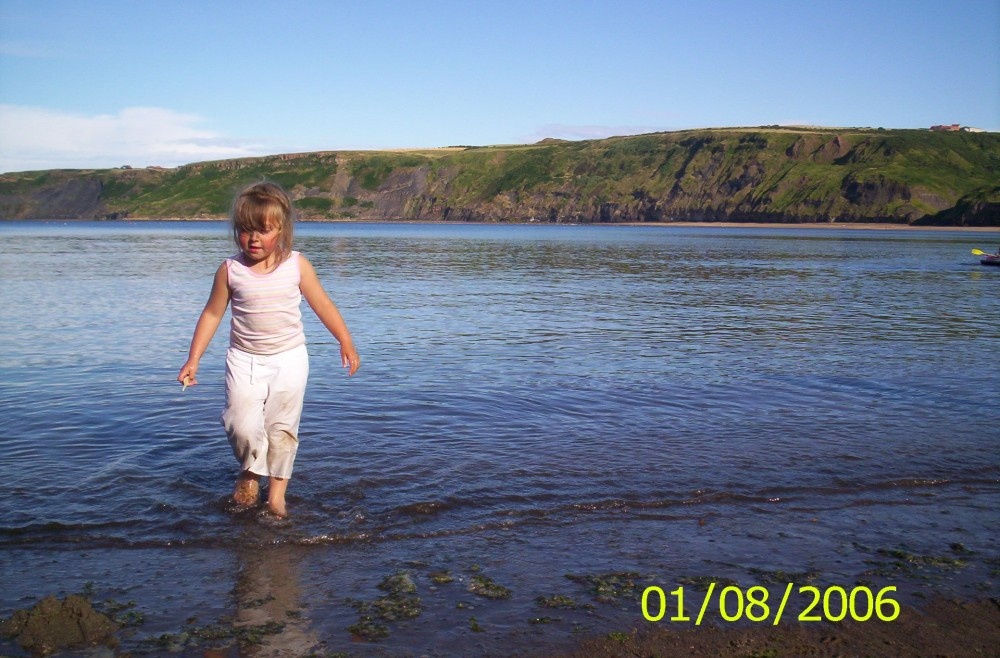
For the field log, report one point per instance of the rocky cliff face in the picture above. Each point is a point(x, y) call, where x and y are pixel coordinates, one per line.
point(775, 175)
point(712, 176)
point(70, 198)
point(980, 208)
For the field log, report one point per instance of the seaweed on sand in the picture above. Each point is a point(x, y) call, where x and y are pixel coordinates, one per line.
point(610, 587)
point(487, 587)
point(399, 603)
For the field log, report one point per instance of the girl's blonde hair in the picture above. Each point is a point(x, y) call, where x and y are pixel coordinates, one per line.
point(263, 206)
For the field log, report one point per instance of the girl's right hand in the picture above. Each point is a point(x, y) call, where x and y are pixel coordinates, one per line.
point(187, 374)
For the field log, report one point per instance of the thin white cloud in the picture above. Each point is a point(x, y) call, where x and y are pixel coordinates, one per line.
point(26, 49)
point(34, 138)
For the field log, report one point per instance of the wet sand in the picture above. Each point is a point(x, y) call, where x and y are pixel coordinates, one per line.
point(944, 627)
point(299, 601)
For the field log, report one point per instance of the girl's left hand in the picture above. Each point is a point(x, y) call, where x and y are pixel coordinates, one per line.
point(349, 357)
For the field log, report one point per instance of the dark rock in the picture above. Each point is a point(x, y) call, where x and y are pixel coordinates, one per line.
point(54, 624)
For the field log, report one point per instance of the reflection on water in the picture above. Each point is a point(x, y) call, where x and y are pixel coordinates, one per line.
point(612, 382)
point(270, 614)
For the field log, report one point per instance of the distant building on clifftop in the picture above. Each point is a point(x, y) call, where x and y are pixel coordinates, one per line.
point(956, 128)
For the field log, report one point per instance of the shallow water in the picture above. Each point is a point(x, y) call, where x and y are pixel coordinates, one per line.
point(533, 400)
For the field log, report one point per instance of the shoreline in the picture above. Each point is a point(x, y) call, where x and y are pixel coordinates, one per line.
point(857, 226)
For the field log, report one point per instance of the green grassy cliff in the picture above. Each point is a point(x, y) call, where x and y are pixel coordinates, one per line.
point(760, 174)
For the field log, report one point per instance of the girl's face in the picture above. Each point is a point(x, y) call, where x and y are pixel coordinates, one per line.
point(257, 246)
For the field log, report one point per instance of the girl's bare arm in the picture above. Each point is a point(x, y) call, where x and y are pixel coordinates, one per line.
point(327, 312)
point(208, 323)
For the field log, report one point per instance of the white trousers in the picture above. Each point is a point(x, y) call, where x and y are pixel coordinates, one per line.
point(264, 396)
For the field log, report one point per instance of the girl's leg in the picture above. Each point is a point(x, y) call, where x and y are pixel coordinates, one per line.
point(243, 419)
point(282, 412)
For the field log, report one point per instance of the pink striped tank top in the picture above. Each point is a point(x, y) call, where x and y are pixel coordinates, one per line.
point(265, 307)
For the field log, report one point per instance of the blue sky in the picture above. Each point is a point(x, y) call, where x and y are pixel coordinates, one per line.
point(108, 83)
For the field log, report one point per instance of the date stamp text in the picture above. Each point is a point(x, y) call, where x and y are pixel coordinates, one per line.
point(755, 604)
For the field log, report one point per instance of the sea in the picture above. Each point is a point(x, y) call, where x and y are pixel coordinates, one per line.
point(549, 421)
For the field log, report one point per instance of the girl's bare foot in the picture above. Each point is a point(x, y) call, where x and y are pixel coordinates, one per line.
point(276, 496)
point(247, 490)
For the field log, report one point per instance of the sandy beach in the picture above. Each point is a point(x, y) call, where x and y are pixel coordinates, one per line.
point(943, 627)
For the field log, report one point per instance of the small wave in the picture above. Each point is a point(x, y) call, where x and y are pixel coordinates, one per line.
point(315, 525)
point(58, 528)
point(425, 508)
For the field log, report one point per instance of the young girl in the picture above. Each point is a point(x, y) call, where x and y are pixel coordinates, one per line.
point(267, 363)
